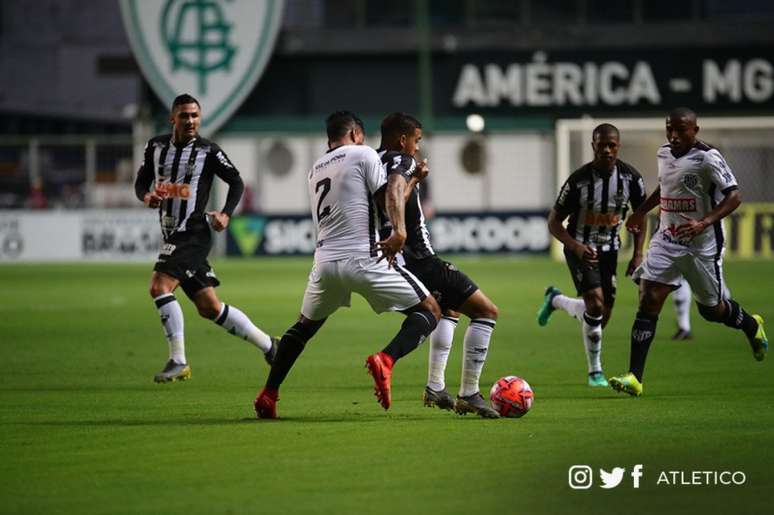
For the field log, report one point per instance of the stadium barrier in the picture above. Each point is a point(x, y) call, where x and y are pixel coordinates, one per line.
point(97, 235)
point(521, 232)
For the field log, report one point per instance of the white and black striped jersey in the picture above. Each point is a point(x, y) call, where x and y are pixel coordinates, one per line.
point(597, 203)
point(185, 173)
point(417, 235)
point(342, 186)
point(692, 185)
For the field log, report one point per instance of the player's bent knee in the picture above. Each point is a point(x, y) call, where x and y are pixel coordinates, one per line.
point(710, 313)
point(157, 290)
point(208, 311)
point(431, 305)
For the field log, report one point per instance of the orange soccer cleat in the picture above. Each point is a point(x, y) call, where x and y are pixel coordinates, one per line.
point(379, 365)
point(266, 403)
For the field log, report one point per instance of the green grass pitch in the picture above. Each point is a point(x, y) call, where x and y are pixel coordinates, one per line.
point(83, 429)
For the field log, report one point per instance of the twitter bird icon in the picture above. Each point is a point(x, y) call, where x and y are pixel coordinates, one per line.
point(611, 479)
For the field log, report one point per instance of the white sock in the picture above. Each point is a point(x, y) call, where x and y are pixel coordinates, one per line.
point(592, 342)
point(172, 320)
point(440, 346)
point(475, 347)
point(574, 306)
point(237, 323)
point(681, 298)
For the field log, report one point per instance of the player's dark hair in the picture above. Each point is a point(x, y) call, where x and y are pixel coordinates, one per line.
point(338, 124)
point(183, 99)
point(605, 128)
point(681, 112)
point(396, 125)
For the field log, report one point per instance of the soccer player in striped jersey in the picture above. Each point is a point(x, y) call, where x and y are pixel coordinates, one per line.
point(696, 191)
point(183, 165)
point(596, 197)
point(456, 292)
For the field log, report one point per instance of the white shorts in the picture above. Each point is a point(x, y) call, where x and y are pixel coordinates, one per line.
point(331, 285)
point(669, 263)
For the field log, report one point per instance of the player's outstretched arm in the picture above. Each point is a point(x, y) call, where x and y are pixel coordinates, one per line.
point(636, 222)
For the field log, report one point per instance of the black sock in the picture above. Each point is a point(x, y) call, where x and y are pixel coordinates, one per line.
point(289, 349)
point(643, 331)
point(413, 331)
point(736, 317)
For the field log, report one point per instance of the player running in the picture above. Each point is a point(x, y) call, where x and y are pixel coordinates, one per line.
point(183, 165)
point(453, 289)
point(596, 197)
point(344, 185)
point(696, 191)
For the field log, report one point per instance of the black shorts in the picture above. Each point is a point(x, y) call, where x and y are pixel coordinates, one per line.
point(602, 275)
point(184, 257)
point(450, 287)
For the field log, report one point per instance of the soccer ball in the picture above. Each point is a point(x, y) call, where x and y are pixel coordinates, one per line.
point(511, 396)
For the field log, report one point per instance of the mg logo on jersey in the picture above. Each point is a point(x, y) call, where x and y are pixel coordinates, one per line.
point(214, 49)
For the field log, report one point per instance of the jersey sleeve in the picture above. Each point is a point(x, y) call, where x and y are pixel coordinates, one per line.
point(375, 173)
point(225, 169)
point(637, 192)
point(568, 199)
point(719, 172)
point(402, 164)
point(145, 175)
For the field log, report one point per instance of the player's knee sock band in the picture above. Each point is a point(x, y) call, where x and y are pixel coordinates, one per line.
point(738, 318)
point(643, 332)
point(413, 331)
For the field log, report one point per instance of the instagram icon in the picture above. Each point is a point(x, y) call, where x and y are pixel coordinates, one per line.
point(580, 477)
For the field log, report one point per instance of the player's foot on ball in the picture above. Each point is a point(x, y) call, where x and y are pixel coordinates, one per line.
point(682, 334)
point(597, 379)
point(266, 403)
point(173, 372)
point(474, 404)
point(438, 398)
point(379, 365)
point(544, 313)
point(759, 344)
point(272, 352)
point(627, 383)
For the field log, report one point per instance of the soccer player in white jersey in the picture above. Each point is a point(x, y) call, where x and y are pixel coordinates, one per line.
point(344, 186)
point(696, 191)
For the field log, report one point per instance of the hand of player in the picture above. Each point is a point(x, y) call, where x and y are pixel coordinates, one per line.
point(635, 223)
point(586, 253)
point(690, 229)
point(634, 262)
point(390, 247)
point(218, 220)
point(152, 199)
point(421, 171)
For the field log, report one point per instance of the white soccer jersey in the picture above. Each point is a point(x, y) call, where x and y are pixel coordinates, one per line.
point(692, 185)
point(342, 184)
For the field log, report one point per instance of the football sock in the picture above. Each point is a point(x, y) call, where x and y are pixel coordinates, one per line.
point(736, 317)
point(289, 349)
point(440, 346)
point(412, 332)
point(592, 341)
point(574, 306)
point(172, 320)
point(682, 300)
point(475, 347)
point(237, 323)
point(643, 332)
